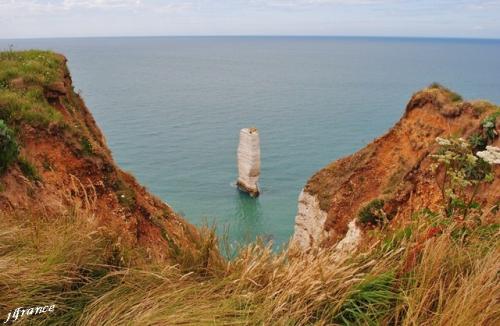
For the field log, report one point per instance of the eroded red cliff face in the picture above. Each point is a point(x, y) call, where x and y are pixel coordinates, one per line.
point(75, 170)
point(394, 168)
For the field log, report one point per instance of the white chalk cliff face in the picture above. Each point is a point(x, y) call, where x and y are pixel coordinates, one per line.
point(249, 161)
point(310, 228)
point(350, 241)
point(309, 222)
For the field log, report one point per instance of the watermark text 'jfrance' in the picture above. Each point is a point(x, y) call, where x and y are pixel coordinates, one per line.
point(21, 312)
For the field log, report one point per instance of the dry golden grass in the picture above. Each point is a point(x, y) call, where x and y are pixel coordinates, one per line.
point(93, 280)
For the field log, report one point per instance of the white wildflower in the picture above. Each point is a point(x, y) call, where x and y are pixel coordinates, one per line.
point(443, 141)
point(490, 155)
point(488, 125)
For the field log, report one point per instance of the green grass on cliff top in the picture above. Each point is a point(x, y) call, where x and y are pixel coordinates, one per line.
point(24, 77)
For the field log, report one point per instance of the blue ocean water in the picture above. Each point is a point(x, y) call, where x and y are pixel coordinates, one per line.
point(172, 107)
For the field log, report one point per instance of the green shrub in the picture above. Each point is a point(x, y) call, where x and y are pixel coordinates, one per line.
point(369, 301)
point(28, 169)
point(47, 164)
point(454, 97)
point(372, 213)
point(463, 170)
point(87, 148)
point(478, 142)
point(489, 126)
point(125, 194)
point(9, 150)
point(395, 240)
point(436, 85)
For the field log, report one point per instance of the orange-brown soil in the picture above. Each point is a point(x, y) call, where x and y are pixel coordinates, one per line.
point(396, 166)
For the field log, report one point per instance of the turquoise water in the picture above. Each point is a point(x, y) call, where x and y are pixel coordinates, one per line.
point(172, 108)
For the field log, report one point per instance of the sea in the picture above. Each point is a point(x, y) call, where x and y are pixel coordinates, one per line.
point(171, 109)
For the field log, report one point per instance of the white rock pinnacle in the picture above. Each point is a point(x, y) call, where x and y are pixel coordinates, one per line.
point(249, 161)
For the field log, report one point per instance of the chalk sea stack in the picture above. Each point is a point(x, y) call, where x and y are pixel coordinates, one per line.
point(249, 161)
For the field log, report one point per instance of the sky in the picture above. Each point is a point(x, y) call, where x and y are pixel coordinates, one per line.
point(88, 18)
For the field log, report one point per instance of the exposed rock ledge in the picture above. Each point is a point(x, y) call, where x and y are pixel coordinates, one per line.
point(309, 223)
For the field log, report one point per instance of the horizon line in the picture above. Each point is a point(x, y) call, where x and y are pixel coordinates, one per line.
point(259, 35)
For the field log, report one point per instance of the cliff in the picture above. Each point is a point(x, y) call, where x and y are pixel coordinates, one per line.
point(55, 158)
point(394, 171)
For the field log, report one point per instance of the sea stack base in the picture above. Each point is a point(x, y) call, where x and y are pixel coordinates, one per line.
point(252, 191)
point(249, 161)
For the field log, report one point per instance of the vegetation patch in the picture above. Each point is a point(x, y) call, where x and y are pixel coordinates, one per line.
point(125, 194)
point(489, 126)
point(488, 134)
point(478, 142)
point(462, 170)
point(373, 213)
point(9, 150)
point(369, 301)
point(395, 180)
point(453, 96)
point(28, 169)
point(33, 67)
point(47, 164)
point(86, 145)
point(23, 77)
point(482, 106)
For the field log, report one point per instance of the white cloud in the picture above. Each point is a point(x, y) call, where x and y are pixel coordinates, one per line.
point(69, 4)
point(8, 7)
point(321, 2)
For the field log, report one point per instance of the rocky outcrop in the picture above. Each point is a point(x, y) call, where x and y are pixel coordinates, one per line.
point(309, 222)
point(350, 242)
point(249, 161)
point(395, 168)
point(310, 231)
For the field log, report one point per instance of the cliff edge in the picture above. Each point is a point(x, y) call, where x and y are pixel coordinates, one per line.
point(394, 171)
point(54, 158)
